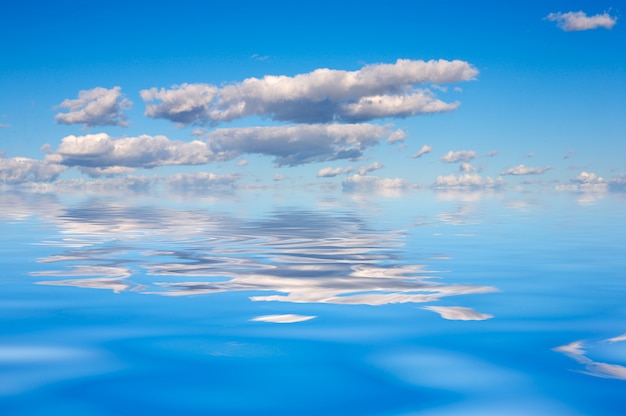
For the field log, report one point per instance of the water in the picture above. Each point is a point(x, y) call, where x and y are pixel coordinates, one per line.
point(424, 303)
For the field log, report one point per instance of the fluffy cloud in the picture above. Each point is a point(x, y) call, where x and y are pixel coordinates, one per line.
point(329, 172)
point(460, 156)
point(577, 21)
point(588, 178)
point(424, 150)
point(102, 151)
point(369, 183)
point(364, 170)
point(467, 167)
point(467, 181)
point(324, 95)
point(21, 170)
point(525, 170)
point(96, 107)
point(295, 145)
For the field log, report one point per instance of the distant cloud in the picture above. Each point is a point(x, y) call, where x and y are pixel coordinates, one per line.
point(492, 153)
point(424, 150)
point(324, 95)
point(525, 170)
point(242, 162)
point(278, 177)
point(283, 319)
point(20, 170)
point(467, 167)
point(618, 184)
point(258, 57)
point(298, 144)
point(396, 136)
point(588, 178)
point(101, 151)
point(4, 126)
point(530, 155)
point(569, 154)
point(369, 183)
point(200, 181)
point(329, 172)
point(577, 21)
point(587, 182)
point(364, 170)
point(467, 181)
point(460, 156)
point(95, 107)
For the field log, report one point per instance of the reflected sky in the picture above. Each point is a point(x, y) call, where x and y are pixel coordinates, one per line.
point(439, 303)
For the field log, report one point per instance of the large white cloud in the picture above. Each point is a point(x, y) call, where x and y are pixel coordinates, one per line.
point(577, 21)
point(102, 151)
point(95, 107)
point(20, 170)
point(323, 95)
point(525, 170)
point(298, 144)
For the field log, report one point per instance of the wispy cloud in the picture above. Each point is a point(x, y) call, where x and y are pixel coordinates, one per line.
point(324, 95)
point(329, 172)
point(283, 319)
point(525, 170)
point(364, 170)
point(458, 313)
point(459, 156)
point(578, 21)
point(95, 107)
point(424, 150)
point(368, 183)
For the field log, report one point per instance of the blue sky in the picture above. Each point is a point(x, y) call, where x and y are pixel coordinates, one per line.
point(491, 94)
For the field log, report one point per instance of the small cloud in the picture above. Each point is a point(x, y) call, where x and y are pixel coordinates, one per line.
point(588, 178)
point(95, 107)
point(492, 153)
point(258, 57)
point(424, 150)
point(569, 154)
point(283, 319)
point(525, 170)
point(467, 167)
point(617, 339)
point(242, 162)
point(530, 155)
point(332, 172)
point(4, 126)
point(396, 136)
point(460, 156)
point(278, 177)
point(458, 313)
point(364, 170)
point(358, 183)
point(578, 21)
point(198, 132)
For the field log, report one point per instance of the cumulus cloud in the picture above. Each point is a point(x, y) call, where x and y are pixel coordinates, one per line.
point(323, 95)
point(467, 181)
point(396, 136)
point(20, 170)
point(329, 172)
point(586, 182)
point(95, 107)
point(588, 178)
point(298, 144)
point(103, 151)
point(424, 150)
point(525, 170)
point(368, 183)
point(460, 156)
point(467, 167)
point(577, 21)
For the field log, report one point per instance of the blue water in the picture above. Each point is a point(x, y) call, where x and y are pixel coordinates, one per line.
point(302, 303)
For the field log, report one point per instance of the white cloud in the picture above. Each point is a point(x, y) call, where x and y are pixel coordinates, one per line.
point(467, 181)
point(364, 170)
point(460, 156)
point(588, 178)
point(367, 183)
point(279, 177)
point(324, 95)
point(424, 150)
point(200, 180)
point(20, 170)
point(492, 153)
point(242, 162)
point(587, 182)
point(396, 136)
point(467, 167)
point(577, 21)
point(95, 107)
point(182, 104)
point(329, 172)
point(525, 170)
point(298, 144)
point(458, 313)
point(102, 151)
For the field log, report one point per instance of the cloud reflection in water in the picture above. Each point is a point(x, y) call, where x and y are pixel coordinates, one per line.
point(295, 256)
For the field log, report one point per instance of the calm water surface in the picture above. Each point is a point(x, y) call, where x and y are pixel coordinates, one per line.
point(449, 303)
